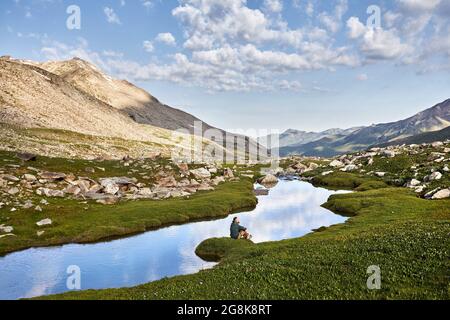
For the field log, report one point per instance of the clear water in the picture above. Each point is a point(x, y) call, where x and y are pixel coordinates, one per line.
point(292, 209)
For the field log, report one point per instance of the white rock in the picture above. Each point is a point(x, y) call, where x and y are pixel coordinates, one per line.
point(201, 173)
point(269, 180)
point(336, 164)
point(380, 174)
point(350, 167)
point(413, 183)
point(443, 194)
point(44, 222)
point(435, 176)
point(388, 153)
point(6, 229)
point(437, 144)
point(30, 177)
point(326, 173)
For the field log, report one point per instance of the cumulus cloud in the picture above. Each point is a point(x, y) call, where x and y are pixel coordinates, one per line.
point(148, 46)
point(377, 43)
point(166, 38)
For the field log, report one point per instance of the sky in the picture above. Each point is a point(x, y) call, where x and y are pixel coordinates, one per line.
point(256, 64)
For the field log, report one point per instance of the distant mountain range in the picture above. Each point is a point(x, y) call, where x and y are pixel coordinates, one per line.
point(336, 141)
point(76, 96)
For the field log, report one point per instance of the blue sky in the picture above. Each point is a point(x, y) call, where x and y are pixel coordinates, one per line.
point(263, 64)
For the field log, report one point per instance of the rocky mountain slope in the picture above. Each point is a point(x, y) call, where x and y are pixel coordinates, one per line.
point(433, 119)
point(137, 103)
point(76, 96)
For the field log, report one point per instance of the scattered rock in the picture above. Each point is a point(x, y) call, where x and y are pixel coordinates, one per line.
point(38, 209)
point(45, 222)
point(388, 153)
point(434, 176)
point(26, 156)
point(53, 176)
point(10, 178)
point(350, 167)
point(201, 173)
point(437, 144)
point(268, 181)
point(228, 173)
point(30, 177)
point(50, 192)
point(13, 191)
point(108, 200)
point(413, 183)
point(336, 164)
point(6, 229)
point(40, 233)
point(443, 194)
point(380, 174)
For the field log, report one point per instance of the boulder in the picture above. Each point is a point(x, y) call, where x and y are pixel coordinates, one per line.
point(26, 156)
point(201, 173)
point(350, 167)
point(53, 176)
point(13, 191)
point(75, 190)
point(313, 166)
point(437, 144)
point(380, 174)
point(434, 176)
point(413, 183)
point(336, 164)
point(168, 182)
point(269, 180)
point(10, 178)
point(50, 192)
point(388, 153)
point(183, 167)
point(45, 222)
point(108, 200)
point(6, 229)
point(217, 180)
point(228, 173)
point(443, 194)
point(326, 173)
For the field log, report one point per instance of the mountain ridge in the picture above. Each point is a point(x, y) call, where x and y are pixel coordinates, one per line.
point(432, 119)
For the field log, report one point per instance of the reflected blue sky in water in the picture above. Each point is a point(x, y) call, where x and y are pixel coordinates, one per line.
point(291, 210)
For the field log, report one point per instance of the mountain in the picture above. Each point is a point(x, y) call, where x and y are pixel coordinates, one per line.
point(75, 96)
point(140, 106)
point(432, 119)
point(427, 137)
point(292, 137)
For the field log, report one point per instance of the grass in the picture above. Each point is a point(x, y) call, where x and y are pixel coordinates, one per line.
point(215, 249)
point(407, 237)
point(80, 222)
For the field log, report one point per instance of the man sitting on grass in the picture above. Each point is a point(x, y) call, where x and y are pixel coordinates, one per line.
point(237, 231)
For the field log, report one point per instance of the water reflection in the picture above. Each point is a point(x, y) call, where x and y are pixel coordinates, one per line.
point(292, 209)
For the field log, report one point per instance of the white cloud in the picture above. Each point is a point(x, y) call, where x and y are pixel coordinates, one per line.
point(419, 5)
point(377, 43)
point(166, 38)
point(111, 16)
point(275, 6)
point(148, 46)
